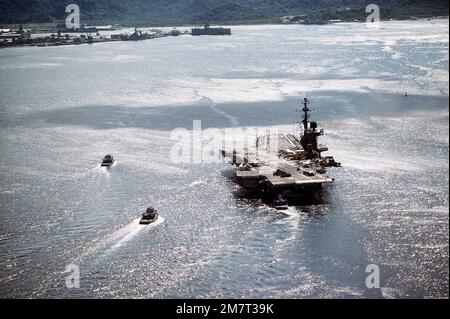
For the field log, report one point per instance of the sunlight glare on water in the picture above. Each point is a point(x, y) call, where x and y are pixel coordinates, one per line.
point(63, 108)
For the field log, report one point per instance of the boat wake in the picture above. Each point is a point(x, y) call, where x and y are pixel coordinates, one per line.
point(131, 230)
point(105, 168)
point(119, 238)
point(98, 170)
point(290, 212)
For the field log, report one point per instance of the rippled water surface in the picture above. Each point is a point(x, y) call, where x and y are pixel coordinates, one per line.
point(63, 108)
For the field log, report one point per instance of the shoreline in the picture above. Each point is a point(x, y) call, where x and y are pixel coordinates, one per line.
point(49, 25)
point(64, 39)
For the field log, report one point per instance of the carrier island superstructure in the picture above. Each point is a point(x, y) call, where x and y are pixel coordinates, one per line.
point(296, 166)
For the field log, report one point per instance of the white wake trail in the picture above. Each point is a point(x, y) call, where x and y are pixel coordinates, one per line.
point(119, 238)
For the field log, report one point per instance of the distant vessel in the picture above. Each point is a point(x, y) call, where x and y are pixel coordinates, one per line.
point(207, 30)
point(150, 216)
point(108, 160)
point(280, 203)
point(86, 29)
point(296, 167)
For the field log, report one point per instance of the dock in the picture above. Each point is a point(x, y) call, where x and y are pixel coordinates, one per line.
point(91, 35)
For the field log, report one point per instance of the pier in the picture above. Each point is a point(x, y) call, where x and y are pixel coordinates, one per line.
point(24, 38)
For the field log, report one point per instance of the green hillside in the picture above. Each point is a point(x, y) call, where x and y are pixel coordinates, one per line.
point(178, 12)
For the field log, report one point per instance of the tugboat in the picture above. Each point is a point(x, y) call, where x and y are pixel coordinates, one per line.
point(149, 217)
point(280, 203)
point(108, 160)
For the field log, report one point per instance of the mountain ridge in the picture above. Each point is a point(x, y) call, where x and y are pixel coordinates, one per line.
point(178, 12)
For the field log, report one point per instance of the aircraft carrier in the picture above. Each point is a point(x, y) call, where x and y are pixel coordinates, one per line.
point(296, 166)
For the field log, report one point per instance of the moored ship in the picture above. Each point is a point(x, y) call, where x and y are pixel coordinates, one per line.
point(207, 30)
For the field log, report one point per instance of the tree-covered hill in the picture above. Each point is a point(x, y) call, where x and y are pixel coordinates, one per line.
point(177, 12)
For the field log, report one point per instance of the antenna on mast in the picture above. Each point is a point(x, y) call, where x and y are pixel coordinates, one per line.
point(306, 110)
